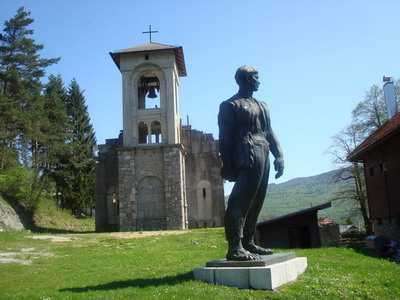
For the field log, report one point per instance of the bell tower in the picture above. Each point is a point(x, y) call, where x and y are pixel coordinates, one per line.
point(151, 167)
point(150, 81)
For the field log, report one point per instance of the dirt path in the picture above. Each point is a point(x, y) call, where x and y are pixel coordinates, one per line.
point(139, 234)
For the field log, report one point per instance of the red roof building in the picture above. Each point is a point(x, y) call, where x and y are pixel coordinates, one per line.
point(380, 154)
point(325, 220)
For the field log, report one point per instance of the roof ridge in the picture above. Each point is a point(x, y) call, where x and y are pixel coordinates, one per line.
point(383, 131)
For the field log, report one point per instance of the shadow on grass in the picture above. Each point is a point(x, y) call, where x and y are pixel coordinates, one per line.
point(140, 282)
point(366, 252)
point(38, 229)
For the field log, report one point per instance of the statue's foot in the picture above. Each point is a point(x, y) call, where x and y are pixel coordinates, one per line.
point(251, 247)
point(241, 255)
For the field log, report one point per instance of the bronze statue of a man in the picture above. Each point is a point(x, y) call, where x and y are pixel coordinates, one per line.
point(245, 139)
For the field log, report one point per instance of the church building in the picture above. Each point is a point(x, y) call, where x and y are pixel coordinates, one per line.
point(158, 174)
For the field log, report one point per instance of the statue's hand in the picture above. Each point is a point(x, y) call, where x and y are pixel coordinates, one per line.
point(279, 167)
point(228, 173)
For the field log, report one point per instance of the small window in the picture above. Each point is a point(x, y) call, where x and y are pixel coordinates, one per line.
point(204, 193)
point(371, 171)
point(382, 167)
point(146, 57)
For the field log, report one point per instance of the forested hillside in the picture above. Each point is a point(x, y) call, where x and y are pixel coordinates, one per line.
point(301, 193)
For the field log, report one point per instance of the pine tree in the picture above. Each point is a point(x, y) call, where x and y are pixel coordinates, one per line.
point(78, 170)
point(21, 69)
point(58, 127)
point(22, 111)
point(56, 123)
point(21, 66)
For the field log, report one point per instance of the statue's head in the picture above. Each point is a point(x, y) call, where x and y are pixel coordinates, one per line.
point(247, 76)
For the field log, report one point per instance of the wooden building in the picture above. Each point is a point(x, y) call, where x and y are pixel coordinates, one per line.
point(295, 230)
point(380, 154)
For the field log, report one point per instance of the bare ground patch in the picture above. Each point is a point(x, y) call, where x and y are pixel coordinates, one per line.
point(24, 257)
point(52, 238)
point(139, 234)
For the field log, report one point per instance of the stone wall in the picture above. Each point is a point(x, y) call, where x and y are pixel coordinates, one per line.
point(127, 190)
point(158, 187)
point(106, 185)
point(389, 227)
point(152, 188)
point(329, 234)
point(175, 183)
point(205, 189)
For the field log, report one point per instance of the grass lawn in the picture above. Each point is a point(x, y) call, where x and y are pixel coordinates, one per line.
point(112, 266)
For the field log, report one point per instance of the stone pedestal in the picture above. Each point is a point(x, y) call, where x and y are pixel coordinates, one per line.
point(268, 273)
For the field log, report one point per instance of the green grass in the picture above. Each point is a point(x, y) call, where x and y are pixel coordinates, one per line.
point(105, 266)
point(50, 218)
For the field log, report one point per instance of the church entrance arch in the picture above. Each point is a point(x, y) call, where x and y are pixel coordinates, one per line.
point(151, 214)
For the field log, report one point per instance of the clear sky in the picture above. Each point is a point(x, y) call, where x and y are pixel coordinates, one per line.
point(316, 59)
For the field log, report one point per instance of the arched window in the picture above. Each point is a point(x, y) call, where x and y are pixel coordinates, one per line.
point(143, 131)
point(148, 91)
point(156, 132)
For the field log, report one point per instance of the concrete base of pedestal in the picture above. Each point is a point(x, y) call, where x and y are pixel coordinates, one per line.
point(266, 277)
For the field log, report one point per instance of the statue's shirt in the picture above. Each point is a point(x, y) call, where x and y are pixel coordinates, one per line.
point(243, 123)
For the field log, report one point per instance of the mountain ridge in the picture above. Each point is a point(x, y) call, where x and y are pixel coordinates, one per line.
point(304, 192)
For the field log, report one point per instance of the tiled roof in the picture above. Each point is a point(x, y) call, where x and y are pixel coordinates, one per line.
point(149, 47)
point(145, 47)
point(386, 130)
point(325, 220)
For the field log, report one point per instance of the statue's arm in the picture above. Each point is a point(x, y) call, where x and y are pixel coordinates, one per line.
point(226, 123)
point(277, 152)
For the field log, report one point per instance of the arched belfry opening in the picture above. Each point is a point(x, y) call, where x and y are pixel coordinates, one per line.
point(148, 91)
point(143, 132)
point(156, 135)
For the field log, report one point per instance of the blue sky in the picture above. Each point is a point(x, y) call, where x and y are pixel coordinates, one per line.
point(316, 59)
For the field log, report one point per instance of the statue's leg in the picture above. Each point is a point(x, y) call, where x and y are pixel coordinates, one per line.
point(242, 195)
point(250, 225)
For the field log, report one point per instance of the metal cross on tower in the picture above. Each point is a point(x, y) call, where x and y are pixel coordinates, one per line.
point(150, 32)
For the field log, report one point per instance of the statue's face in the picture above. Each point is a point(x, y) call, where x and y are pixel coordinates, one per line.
point(253, 81)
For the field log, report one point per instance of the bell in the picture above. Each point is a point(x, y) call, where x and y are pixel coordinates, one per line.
point(152, 92)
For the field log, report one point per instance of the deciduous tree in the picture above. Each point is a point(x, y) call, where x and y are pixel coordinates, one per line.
point(368, 116)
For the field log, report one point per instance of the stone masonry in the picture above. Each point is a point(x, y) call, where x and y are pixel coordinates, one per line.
point(160, 187)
